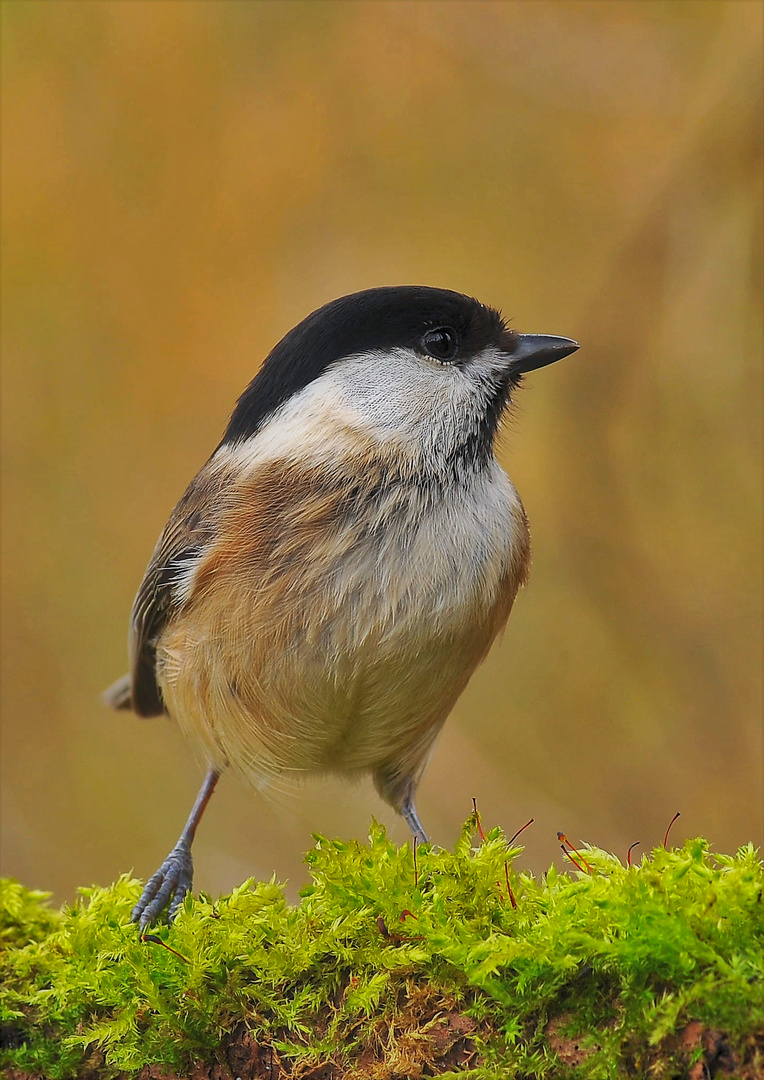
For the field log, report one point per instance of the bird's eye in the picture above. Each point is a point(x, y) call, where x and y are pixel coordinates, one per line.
point(441, 344)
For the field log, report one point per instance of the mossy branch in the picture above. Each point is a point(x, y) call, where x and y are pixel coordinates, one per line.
point(389, 970)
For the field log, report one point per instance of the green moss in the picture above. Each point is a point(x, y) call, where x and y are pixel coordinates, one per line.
point(591, 975)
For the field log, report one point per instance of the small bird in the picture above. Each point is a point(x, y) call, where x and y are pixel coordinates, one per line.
point(336, 571)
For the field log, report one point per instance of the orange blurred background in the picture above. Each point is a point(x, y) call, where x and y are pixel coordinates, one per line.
point(183, 181)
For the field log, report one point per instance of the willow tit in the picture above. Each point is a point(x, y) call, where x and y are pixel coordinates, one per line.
point(334, 574)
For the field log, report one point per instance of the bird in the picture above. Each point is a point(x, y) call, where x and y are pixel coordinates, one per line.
point(334, 574)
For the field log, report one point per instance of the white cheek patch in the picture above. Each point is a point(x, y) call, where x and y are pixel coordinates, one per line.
point(397, 391)
point(433, 407)
point(396, 399)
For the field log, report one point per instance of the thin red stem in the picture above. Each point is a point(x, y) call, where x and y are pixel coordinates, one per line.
point(477, 820)
point(511, 895)
point(564, 839)
point(574, 861)
point(155, 940)
point(522, 828)
point(668, 830)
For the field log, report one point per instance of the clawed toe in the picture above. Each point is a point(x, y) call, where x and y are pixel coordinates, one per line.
point(170, 883)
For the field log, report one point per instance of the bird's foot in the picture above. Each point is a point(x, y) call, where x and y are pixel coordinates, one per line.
point(171, 882)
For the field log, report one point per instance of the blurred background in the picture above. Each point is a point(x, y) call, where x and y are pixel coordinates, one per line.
point(182, 182)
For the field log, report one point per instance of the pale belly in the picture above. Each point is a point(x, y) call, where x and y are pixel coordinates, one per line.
point(343, 651)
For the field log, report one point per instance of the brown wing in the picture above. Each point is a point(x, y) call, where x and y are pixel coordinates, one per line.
point(185, 535)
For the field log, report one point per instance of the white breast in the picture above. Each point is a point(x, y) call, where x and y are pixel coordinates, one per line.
point(351, 623)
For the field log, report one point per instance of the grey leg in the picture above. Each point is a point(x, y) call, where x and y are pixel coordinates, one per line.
point(397, 788)
point(175, 876)
point(408, 810)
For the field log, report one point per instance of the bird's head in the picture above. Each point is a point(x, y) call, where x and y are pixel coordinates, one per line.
point(424, 367)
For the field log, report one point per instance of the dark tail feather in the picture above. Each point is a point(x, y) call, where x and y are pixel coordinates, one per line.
point(119, 695)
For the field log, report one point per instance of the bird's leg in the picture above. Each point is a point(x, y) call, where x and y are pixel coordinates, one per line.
point(175, 876)
point(397, 787)
point(408, 810)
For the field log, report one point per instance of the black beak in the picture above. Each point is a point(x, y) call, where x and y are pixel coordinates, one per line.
point(537, 350)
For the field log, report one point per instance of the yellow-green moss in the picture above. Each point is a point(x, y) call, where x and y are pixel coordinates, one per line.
point(620, 960)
